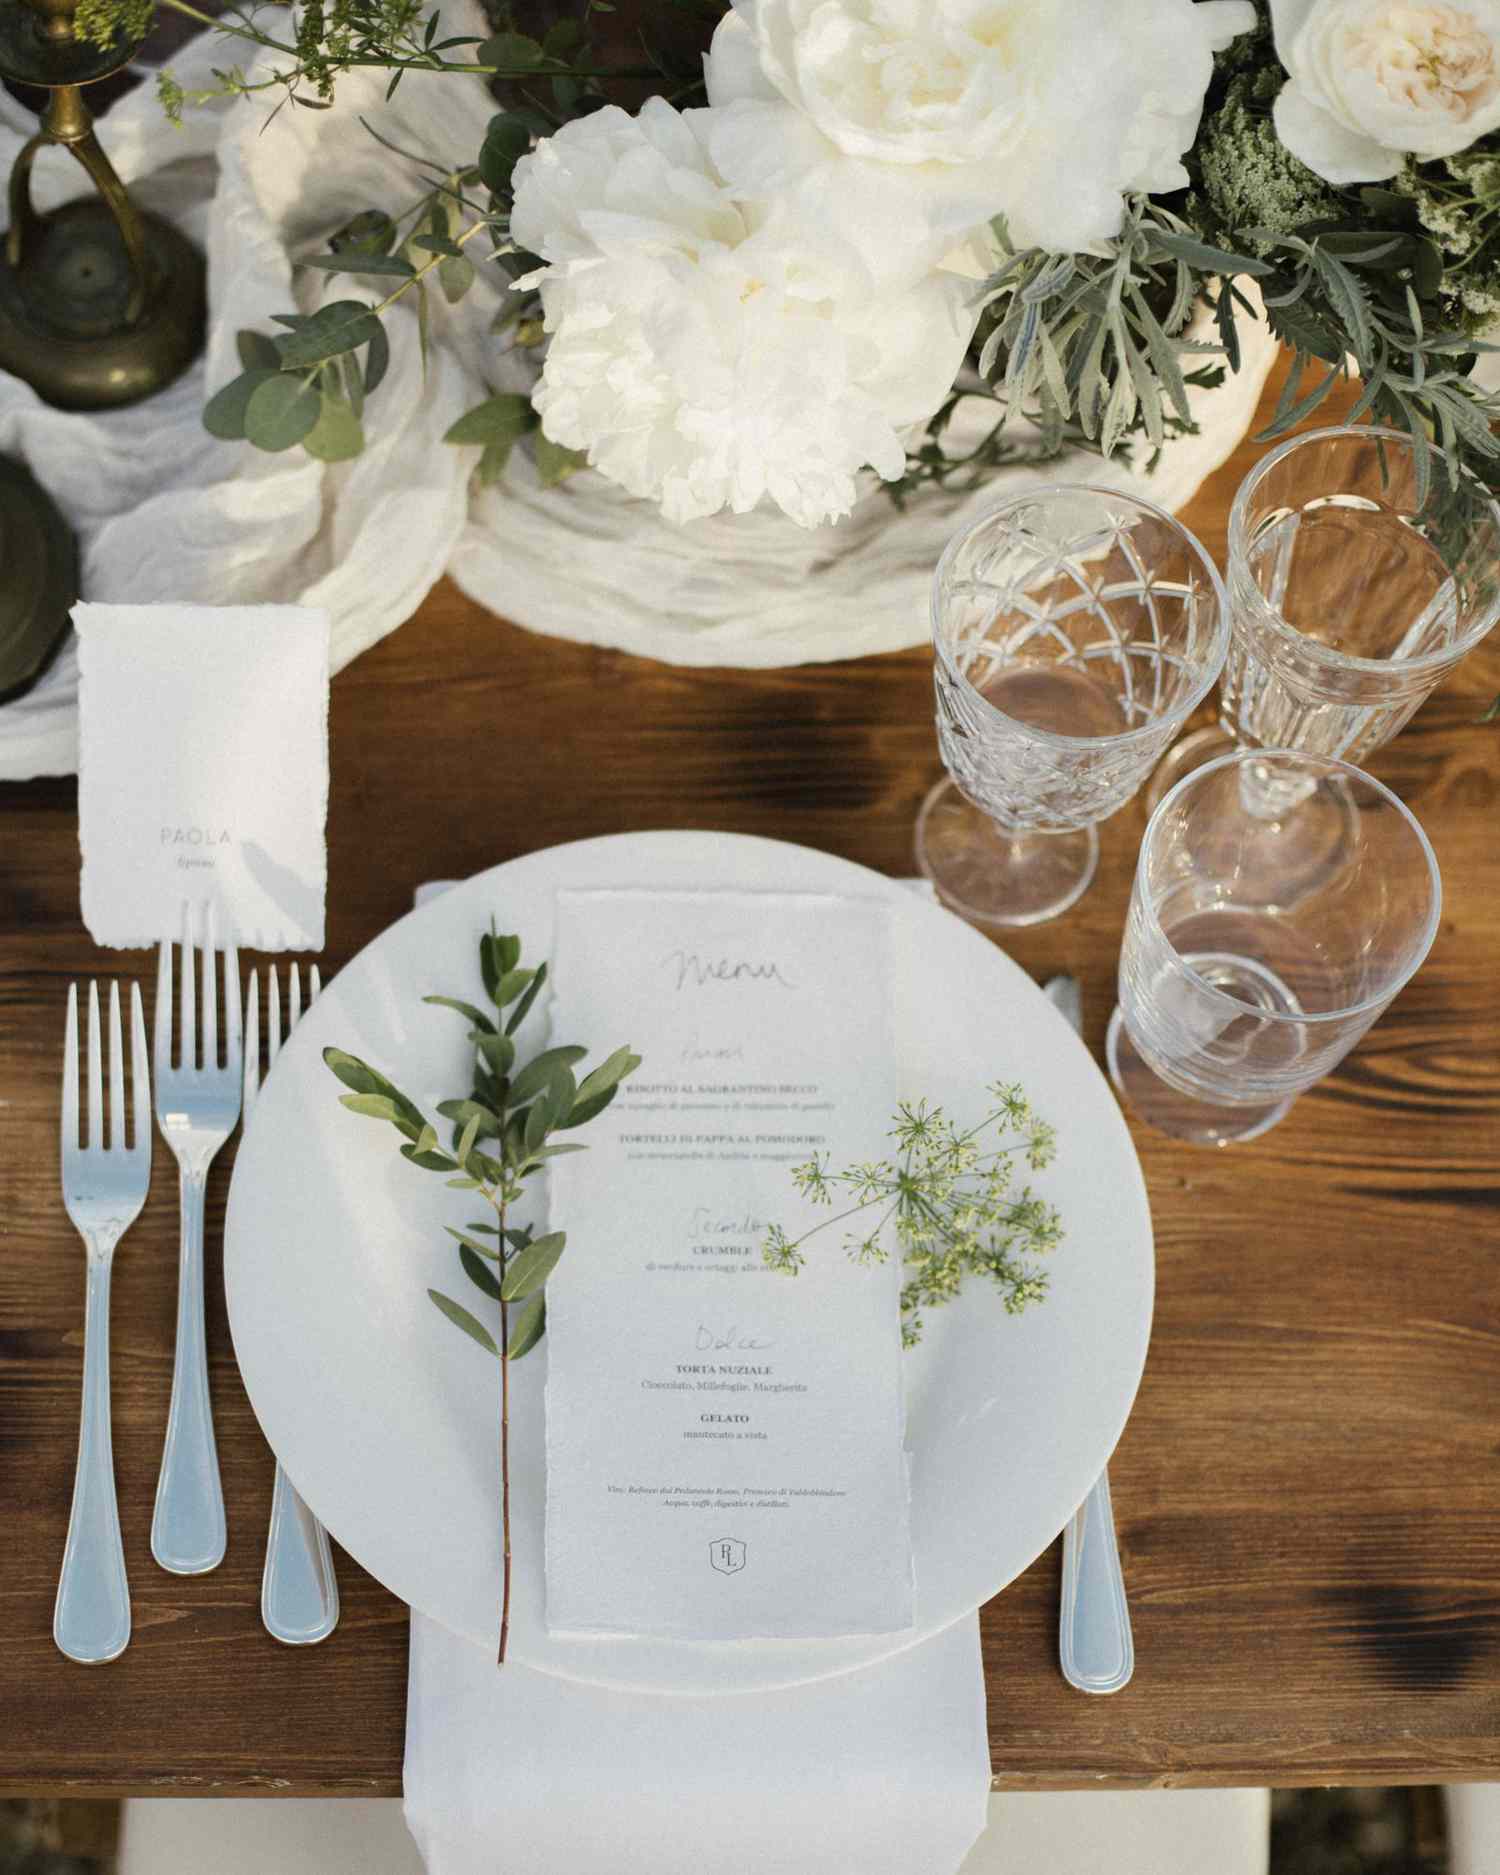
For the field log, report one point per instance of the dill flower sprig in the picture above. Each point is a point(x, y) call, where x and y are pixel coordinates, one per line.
point(950, 1198)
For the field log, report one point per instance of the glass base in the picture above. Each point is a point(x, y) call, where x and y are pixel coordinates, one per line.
point(1203, 745)
point(1184, 1116)
point(988, 874)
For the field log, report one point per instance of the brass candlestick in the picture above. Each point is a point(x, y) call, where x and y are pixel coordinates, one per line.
point(100, 303)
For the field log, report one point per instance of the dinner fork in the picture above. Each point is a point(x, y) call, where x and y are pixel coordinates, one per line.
point(104, 1186)
point(197, 1105)
point(299, 1593)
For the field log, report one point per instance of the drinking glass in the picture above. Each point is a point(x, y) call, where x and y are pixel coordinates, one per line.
point(1353, 591)
point(1239, 986)
point(1075, 629)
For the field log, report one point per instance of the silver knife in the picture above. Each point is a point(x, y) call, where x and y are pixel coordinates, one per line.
point(1094, 1645)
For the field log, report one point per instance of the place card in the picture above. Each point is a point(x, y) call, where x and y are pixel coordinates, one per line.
point(724, 1442)
point(203, 771)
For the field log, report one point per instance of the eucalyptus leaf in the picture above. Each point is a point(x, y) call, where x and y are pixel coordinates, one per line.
point(529, 1327)
point(554, 463)
point(337, 436)
point(455, 276)
point(498, 419)
point(371, 232)
point(225, 413)
point(338, 327)
point(466, 1139)
point(510, 52)
point(461, 1318)
point(384, 266)
point(281, 410)
point(506, 141)
point(436, 244)
point(257, 351)
point(377, 359)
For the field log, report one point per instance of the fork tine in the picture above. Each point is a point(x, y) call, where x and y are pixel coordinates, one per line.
point(210, 995)
point(250, 1082)
point(94, 1118)
point(273, 1015)
point(233, 1038)
point(187, 1001)
point(140, 1073)
point(314, 984)
point(116, 1140)
point(70, 1075)
point(163, 1018)
point(295, 1015)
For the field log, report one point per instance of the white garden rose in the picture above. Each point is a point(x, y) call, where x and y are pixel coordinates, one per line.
point(707, 352)
point(1372, 81)
point(907, 122)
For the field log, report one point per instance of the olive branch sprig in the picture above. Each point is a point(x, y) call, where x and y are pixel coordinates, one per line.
point(951, 1198)
point(500, 1137)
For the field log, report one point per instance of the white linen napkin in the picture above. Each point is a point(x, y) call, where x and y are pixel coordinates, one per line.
point(203, 775)
point(885, 1771)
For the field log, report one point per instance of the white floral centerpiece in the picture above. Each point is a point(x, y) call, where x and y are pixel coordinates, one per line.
point(846, 246)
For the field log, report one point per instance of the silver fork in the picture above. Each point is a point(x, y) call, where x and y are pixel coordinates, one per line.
point(197, 1105)
point(104, 1186)
point(299, 1593)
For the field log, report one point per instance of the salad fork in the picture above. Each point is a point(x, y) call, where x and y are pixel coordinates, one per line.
point(299, 1593)
point(197, 1106)
point(104, 1186)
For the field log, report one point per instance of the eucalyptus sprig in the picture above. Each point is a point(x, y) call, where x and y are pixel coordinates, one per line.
point(500, 1137)
point(951, 1199)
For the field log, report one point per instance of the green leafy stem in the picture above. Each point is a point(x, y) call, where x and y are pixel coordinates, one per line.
point(500, 1136)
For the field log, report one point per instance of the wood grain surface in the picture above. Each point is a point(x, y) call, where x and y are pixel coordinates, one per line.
point(1308, 1492)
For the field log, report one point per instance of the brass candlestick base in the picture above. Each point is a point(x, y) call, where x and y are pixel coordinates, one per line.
point(63, 316)
point(38, 579)
point(100, 305)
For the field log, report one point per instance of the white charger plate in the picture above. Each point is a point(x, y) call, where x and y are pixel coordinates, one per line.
point(385, 1418)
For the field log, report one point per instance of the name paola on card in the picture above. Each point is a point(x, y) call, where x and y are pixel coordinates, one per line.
point(724, 1443)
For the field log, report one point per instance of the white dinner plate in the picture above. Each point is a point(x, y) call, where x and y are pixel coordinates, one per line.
point(385, 1418)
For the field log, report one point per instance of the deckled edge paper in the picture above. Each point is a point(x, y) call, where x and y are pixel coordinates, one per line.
point(600, 1559)
point(265, 904)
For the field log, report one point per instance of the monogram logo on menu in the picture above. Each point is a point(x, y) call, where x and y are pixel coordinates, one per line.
point(693, 971)
point(727, 1555)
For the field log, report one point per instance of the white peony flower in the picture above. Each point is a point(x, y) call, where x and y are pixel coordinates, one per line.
point(905, 123)
point(707, 352)
point(1373, 80)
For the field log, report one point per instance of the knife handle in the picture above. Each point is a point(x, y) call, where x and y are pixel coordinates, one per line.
point(1095, 1647)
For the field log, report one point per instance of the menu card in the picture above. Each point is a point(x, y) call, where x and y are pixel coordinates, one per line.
point(724, 1442)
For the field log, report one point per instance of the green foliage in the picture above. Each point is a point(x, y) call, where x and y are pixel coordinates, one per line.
point(104, 22)
point(950, 1198)
point(499, 1137)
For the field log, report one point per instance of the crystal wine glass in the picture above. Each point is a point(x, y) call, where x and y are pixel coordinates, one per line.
point(1239, 985)
point(1075, 629)
point(1353, 590)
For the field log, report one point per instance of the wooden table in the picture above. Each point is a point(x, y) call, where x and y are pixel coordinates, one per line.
point(1308, 1492)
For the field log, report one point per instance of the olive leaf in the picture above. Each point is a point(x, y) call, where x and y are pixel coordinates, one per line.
point(461, 1318)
